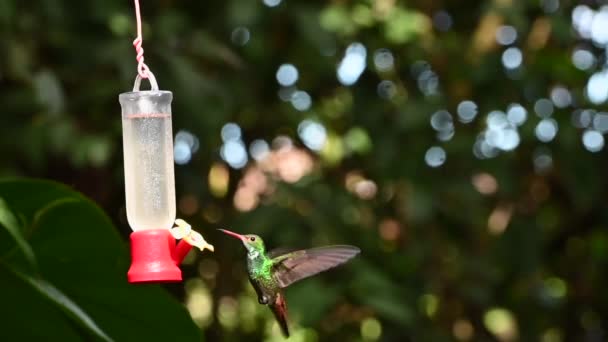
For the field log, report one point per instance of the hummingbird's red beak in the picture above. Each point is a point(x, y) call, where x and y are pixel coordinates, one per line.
point(238, 236)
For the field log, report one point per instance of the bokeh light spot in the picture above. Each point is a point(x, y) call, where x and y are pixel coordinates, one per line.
point(234, 153)
point(543, 108)
point(597, 87)
point(463, 330)
point(442, 120)
point(389, 229)
point(582, 19)
point(546, 130)
point(353, 64)
point(199, 302)
point(231, 131)
point(429, 304)
point(443, 21)
point(428, 83)
point(371, 329)
point(593, 141)
point(506, 35)
point(542, 159)
point(357, 140)
point(227, 312)
point(499, 219)
point(583, 59)
point(435, 156)
point(485, 183)
point(600, 122)
point(218, 179)
point(240, 36)
point(188, 205)
point(300, 100)
point(512, 58)
point(313, 134)
point(467, 111)
point(582, 118)
point(446, 134)
point(516, 114)
point(501, 323)
point(287, 75)
point(184, 146)
point(387, 89)
point(561, 97)
point(272, 3)
point(556, 287)
point(245, 199)
point(599, 27)
point(550, 6)
point(383, 60)
point(259, 149)
point(497, 120)
point(552, 335)
point(181, 153)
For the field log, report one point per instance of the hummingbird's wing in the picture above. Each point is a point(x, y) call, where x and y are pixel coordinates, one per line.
point(280, 251)
point(293, 266)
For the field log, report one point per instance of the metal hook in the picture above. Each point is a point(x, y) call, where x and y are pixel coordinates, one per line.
point(150, 78)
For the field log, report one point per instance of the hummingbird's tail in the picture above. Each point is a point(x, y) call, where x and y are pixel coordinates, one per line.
point(279, 309)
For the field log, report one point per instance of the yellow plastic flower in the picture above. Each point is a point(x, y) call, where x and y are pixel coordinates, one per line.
point(184, 231)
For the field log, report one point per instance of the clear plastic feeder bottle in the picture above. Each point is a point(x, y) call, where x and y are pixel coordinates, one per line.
point(148, 156)
point(150, 185)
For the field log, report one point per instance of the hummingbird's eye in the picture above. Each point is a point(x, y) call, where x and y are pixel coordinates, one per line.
point(252, 238)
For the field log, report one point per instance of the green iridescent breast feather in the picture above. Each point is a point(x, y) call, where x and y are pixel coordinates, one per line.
point(261, 267)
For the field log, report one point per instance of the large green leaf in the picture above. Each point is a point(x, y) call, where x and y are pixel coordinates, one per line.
point(9, 222)
point(82, 263)
point(27, 316)
point(64, 303)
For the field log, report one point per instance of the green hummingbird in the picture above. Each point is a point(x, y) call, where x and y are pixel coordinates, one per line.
point(271, 272)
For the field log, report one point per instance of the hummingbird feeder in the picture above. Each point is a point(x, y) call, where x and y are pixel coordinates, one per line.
point(150, 182)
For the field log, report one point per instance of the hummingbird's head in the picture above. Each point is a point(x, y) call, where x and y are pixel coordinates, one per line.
point(252, 242)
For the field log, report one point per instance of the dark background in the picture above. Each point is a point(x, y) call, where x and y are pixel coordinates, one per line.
point(503, 239)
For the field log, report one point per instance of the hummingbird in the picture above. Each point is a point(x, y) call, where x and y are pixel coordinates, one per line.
point(270, 272)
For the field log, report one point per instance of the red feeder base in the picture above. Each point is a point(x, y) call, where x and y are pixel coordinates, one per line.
point(153, 257)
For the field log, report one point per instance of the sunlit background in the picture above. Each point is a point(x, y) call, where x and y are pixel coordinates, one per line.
point(461, 145)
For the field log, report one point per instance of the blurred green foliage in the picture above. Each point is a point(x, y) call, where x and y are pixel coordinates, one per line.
point(62, 268)
point(510, 246)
